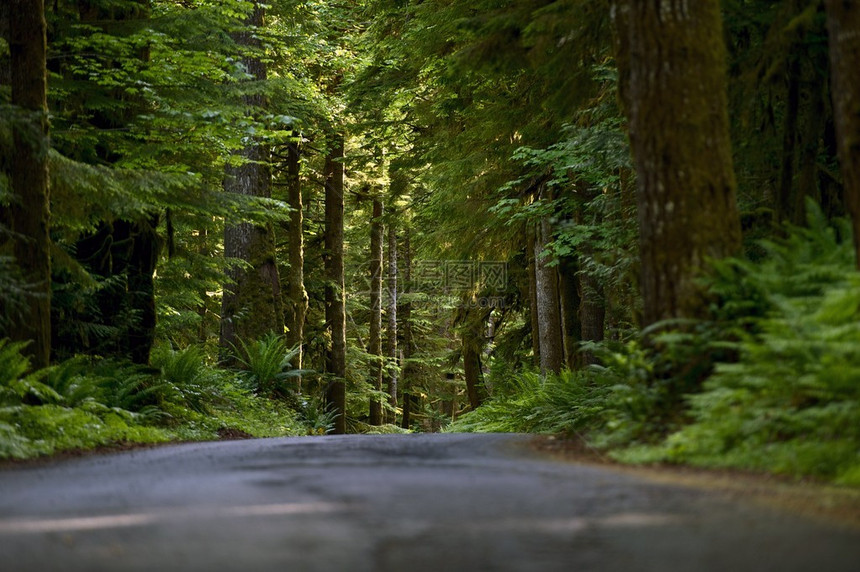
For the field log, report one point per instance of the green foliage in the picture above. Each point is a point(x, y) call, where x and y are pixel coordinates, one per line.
point(267, 366)
point(572, 402)
point(791, 403)
point(85, 403)
point(316, 417)
point(770, 380)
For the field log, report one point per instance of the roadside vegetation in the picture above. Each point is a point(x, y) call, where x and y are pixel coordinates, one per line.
point(769, 382)
point(84, 402)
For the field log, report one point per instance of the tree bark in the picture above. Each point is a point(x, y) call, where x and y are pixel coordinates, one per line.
point(533, 296)
point(785, 200)
point(375, 336)
point(391, 329)
point(296, 305)
point(592, 313)
point(676, 103)
point(335, 303)
point(547, 299)
point(410, 399)
point(251, 304)
point(569, 301)
point(843, 24)
point(29, 213)
point(472, 344)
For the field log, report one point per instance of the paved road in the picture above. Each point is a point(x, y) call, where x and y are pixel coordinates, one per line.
point(405, 503)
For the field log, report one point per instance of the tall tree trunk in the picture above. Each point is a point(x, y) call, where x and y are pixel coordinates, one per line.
point(391, 330)
point(676, 103)
point(547, 298)
point(29, 213)
point(335, 303)
point(812, 125)
point(533, 295)
point(251, 304)
point(472, 345)
point(592, 313)
point(843, 23)
point(296, 305)
point(571, 327)
point(375, 341)
point(785, 200)
point(410, 399)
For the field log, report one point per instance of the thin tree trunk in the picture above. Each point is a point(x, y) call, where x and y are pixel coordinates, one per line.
point(296, 305)
point(375, 341)
point(592, 313)
point(548, 313)
point(251, 304)
point(335, 303)
point(568, 289)
point(785, 200)
point(533, 296)
point(29, 214)
point(676, 103)
point(843, 23)
point(391, 330)
point(410, 399)
point(810, 137)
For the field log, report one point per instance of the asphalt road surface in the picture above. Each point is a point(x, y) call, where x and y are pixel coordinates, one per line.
point(405, 503)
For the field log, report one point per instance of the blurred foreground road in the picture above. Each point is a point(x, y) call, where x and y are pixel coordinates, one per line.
point(405, 503)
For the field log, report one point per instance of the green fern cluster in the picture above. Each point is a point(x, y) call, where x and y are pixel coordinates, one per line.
point(790, 402)
point(85, 403)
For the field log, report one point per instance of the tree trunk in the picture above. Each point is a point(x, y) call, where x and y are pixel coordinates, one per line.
point(29, 213)
point(391, 330)
point(472, 344)
point(251, 305)
point(676, 103)
point(785, 200)
point(375, 341)
point(410, 399)
point(843, 23)
point(547, 298)
point(335, 303)
point(296, 305)
point(568, 289)
point(592, 313)
point(533, 296)
point(813, 122)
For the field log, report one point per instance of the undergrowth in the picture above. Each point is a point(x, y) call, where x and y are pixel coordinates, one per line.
point(771, 382)
point(85, 402)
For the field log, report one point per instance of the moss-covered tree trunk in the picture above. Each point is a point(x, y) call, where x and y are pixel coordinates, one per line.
point(472, 344)
point(674, 91)
point(29, 212)
point(843, 23)
point(251, 304)
point(296, 303)
point(335, 303)
point(375, 335)
point(547, 303)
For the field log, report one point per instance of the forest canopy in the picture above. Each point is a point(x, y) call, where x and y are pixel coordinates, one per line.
point(633, 223)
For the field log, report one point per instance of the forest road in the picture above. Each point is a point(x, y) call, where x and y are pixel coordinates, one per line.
point(406, 503)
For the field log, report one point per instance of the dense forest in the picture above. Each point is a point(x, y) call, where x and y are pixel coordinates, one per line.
point(628, 222)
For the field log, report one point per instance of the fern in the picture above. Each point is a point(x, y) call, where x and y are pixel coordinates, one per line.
point(268, 366)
